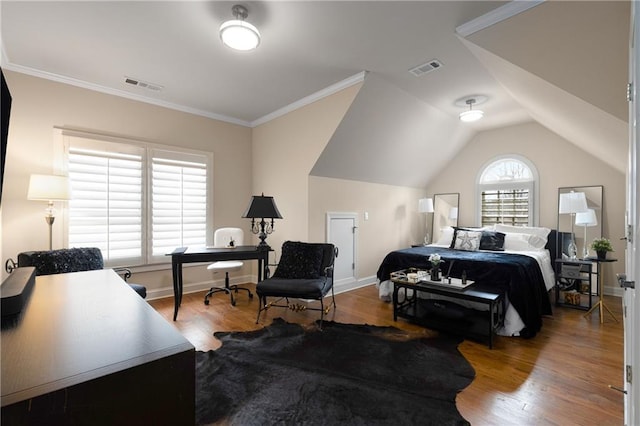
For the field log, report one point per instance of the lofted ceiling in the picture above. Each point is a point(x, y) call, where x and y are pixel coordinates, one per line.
point(576, 51)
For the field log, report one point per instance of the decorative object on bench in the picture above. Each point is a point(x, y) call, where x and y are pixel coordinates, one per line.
point(49, 188)
point(293, 374)
point(228, 238)
point(305, 271)
point(61, 261)
point(262, 207)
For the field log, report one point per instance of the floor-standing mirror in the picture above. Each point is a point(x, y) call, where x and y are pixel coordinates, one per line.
point(579, 220)
point(445, 212)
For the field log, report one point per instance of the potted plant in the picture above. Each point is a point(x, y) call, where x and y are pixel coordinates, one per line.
point(601, 246)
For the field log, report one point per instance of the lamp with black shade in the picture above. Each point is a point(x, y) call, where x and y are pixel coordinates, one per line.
point(262, 207)
point(572, 203)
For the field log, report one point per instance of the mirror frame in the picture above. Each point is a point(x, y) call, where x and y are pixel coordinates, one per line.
point(595, 200)
point(443, 205)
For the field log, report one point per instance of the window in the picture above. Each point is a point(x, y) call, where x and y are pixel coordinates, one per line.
point(506, 192)
point(135, 201)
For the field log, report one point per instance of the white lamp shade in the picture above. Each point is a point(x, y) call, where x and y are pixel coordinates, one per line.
point(572, 202)
point(239, 35)
point(587, 218)
point(425, 205)
point(49, 188)
point(471, 115)
point(453, 213)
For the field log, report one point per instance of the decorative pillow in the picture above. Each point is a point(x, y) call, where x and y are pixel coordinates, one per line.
point(539, 231)
point(492, 240)
point(514, 241)
point(467, 240)
point(299, 261)
point(446, 236)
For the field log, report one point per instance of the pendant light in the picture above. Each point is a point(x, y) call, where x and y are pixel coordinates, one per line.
point(472, 114)
point(237, 33)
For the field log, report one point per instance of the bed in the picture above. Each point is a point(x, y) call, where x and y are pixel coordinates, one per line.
point(517, 263)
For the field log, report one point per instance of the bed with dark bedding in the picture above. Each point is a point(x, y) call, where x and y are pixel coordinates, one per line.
point(521, 272)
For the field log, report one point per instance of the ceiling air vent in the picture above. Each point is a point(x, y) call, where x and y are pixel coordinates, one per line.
point(426, 68)
point(143, 84)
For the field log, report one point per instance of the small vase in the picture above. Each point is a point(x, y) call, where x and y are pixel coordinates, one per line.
point(602, 254)
point(435, 273)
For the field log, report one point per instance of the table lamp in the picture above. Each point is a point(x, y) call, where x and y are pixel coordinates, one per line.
point(425, 205)
point(262, 207)
point(572, 203)
point(586, 219)
point(49, 188)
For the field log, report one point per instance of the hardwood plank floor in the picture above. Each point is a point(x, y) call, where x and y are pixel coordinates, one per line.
point(560, 377)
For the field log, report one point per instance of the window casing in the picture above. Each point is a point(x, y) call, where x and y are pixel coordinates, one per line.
point(506, 192)
point(136, 201)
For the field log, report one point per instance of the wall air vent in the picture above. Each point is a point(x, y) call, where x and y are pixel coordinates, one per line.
point(143, 84)
point(426, 68)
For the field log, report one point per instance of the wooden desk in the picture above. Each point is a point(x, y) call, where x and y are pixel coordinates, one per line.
point(204, 254)
point(86, 349)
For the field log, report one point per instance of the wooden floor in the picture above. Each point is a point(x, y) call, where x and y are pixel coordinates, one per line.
point(560, 377)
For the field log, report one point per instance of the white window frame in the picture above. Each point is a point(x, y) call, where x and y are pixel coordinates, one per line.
point(100, 142)
point(531, 185)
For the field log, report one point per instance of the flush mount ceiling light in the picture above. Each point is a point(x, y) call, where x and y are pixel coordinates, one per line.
point(237, 33)
point(472, 114)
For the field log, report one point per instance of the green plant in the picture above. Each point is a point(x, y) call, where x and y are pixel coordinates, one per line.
point(601, 244)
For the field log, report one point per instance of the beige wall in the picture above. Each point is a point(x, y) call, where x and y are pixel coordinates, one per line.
point(394, 221)
point(559, 164)
point(284, 152)
point(39, 105)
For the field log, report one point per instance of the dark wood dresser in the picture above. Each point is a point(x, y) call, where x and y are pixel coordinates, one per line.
point(86, 349)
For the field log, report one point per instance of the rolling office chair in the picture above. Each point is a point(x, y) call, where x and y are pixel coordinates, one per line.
point(224, 237)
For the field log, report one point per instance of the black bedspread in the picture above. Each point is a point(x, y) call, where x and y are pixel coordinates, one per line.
point(516, 275)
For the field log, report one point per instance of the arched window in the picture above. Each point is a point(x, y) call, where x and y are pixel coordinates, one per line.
point(507, 192)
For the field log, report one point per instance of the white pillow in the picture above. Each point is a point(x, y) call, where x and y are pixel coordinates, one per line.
point(467, 240)
point(515, 241)
point(539, 231)
point(446, 235)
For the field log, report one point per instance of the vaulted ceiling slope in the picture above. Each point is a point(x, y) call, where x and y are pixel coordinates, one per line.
point(564, 63)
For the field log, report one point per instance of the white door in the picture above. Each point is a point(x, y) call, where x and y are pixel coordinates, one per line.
point(341, 232)
point(631, 302)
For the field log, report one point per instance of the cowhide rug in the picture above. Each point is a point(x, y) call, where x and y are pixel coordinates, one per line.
point(343, 374)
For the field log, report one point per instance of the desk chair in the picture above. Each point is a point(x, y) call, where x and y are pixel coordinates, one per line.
point(223, 238)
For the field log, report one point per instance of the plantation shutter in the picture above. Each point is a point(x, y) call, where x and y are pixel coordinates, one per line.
point(179, 201)
point(507, 206)
point(106, 209)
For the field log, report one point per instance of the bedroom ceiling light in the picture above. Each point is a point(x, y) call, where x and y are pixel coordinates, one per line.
point(237, 33)
point(472, 114)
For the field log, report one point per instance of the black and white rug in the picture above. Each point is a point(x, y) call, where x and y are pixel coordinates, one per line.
point(344, 374)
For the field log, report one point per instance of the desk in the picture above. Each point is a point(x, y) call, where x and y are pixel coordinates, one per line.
point(86, 349)
point(204, 254)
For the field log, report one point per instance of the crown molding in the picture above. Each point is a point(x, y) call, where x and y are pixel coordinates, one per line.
point(121, 93)
point(497, 15)
point(350, 81)
point(334, 88)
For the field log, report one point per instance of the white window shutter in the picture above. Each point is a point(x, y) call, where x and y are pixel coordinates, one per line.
point(107, 208)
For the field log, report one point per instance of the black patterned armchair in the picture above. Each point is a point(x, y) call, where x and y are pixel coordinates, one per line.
point(61, 261)
point(305, 271)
